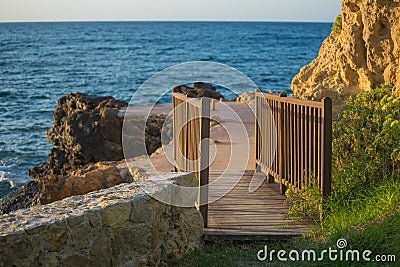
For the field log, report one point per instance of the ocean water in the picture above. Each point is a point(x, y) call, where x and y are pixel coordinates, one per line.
point(41, 62)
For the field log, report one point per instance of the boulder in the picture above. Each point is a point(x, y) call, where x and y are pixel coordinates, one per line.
point(361, 55)
point(247, 97)
point(199, 89)
point(86, 129)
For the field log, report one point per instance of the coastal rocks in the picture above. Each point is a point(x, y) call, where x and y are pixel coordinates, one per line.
point(119, 226)
point(86, 129)
point(199, 89)
point(363, 55)
point(87, 134)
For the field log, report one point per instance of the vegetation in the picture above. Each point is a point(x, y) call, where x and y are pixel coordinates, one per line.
point(366, 145)
point(337, 25)
point(364, 207)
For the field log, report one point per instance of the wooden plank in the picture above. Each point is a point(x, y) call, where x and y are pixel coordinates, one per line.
point(241, 215)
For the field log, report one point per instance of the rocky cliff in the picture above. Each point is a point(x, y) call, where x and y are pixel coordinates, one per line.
point(360, 55)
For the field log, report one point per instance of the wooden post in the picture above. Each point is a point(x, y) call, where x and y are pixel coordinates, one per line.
point(326, 142)
point(256, 133)
point(213, 104)
point(282, 135)
point(204, 159)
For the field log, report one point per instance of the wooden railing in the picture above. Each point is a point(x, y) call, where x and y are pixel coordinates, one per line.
point(191, 130)
point(294, 141)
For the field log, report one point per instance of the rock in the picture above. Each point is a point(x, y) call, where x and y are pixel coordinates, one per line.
point(204, 86)
point(363, 55)
point(86, 129)
point(156, 126)
point(199, 89)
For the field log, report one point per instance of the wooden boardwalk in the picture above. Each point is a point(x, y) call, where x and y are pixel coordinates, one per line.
point(240, 214)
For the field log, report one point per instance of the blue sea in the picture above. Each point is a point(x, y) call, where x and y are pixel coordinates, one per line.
point(41, 62)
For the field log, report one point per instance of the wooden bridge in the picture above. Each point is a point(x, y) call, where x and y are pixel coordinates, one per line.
point(287, 145)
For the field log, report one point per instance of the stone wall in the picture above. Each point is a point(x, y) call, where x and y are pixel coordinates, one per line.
point(119, 226)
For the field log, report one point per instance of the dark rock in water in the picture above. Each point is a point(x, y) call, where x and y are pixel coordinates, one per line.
point(24, 197)
point(199, 89)
point(183, 89)
point(204, 86)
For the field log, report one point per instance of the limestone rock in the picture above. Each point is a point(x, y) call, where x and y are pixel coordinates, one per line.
point(365, 54)
point(247, 97)
point(91, 177)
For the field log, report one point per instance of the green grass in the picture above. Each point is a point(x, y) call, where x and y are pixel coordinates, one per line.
point(365, 205)
point(370, 220)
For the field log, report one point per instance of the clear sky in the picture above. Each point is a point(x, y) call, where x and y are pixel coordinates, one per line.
point(209, 10)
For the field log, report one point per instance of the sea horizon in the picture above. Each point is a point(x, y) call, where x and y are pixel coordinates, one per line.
point(43, 61)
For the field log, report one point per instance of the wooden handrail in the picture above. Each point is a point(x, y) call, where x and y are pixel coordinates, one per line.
point(290, 100)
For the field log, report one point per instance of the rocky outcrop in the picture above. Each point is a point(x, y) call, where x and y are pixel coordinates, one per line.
point(119, 226)
point(88, 154)
point(199, 89)
point(86, 129)
point(363, 55)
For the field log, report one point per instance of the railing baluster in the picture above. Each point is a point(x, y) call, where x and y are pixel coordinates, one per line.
point(303, 135)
